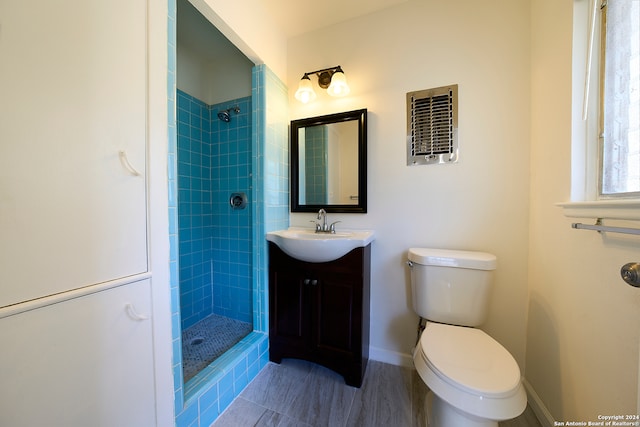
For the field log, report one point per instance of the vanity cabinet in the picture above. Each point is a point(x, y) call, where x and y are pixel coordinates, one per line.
point(320, 311)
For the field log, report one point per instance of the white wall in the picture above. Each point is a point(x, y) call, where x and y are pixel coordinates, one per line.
point(213, 80)
point(584, 321)
point(481, 203)
point(158, 217)
point(248, 26)
point(209, 66)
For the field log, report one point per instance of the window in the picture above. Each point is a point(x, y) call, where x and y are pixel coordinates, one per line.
point(619, 112)
point(605, 145)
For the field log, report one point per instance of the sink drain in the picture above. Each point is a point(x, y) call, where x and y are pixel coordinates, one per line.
point(196, 341)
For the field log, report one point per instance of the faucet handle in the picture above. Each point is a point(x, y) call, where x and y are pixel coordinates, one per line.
point(318, 226)
point(332, 227)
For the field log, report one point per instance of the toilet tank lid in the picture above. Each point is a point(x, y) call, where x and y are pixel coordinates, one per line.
point(453, 258)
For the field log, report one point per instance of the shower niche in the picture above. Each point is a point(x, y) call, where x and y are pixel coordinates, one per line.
point(214, 128)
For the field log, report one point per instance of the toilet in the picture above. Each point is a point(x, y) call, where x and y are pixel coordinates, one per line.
point(473, 380)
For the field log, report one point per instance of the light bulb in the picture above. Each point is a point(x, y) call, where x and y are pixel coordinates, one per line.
point(305, 92)
point(338, 86)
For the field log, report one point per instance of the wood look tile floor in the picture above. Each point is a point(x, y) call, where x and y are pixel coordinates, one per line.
point(302, 394)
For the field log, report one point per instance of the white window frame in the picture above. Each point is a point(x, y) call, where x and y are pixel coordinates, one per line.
point(586, 201)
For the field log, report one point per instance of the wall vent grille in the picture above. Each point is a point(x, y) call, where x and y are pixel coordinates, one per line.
point(432, 126)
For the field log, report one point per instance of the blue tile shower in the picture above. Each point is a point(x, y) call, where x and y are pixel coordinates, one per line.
point(215, 239)
point(200, 401)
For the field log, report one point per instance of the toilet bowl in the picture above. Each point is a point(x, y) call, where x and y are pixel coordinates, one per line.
point(473, 380)
point(476, 381)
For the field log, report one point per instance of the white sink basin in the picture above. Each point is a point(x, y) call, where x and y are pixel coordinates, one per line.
point(307, 245)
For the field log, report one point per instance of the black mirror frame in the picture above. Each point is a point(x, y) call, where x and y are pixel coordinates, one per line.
point(361, 117)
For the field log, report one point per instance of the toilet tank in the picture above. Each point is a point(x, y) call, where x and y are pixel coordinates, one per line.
point(451, 286)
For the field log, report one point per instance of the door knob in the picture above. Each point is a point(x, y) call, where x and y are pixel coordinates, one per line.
point(630, 273)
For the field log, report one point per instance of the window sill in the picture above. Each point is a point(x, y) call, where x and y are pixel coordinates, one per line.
point(605, 209)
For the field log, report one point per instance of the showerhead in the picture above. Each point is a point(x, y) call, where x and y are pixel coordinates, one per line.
point(225, 116)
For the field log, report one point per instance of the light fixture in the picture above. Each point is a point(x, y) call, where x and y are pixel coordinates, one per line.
point(332, 79)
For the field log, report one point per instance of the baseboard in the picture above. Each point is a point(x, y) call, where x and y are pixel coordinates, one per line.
point(539, 409)
point(390, 357)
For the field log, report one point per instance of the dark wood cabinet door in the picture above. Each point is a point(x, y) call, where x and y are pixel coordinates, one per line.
point(337, 309)
point(289, 309)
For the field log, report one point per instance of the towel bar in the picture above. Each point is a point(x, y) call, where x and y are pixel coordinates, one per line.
point(600, 228)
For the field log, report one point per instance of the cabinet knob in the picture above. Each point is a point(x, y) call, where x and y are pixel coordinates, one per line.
point(307, 281)
point(314, 282)
point(131, 311)
point(125, 162)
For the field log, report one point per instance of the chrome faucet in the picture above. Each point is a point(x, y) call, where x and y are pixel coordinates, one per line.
point(324, 227)
point(322, 215)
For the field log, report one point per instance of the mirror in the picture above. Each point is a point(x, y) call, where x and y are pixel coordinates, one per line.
point(329, 163)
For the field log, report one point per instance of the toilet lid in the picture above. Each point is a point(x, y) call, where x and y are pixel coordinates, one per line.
point(470, 359)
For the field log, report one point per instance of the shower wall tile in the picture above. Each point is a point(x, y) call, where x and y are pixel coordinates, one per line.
point(271, 182)
point(195, 214)
point(172, 149)
point(214, 160)
point(315, 149)
point(232, 237)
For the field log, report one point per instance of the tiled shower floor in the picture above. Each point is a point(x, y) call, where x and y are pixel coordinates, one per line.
point(207, 340)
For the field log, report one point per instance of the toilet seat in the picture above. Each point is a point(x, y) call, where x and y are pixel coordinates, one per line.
point(469, 359)
point(469, 370)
